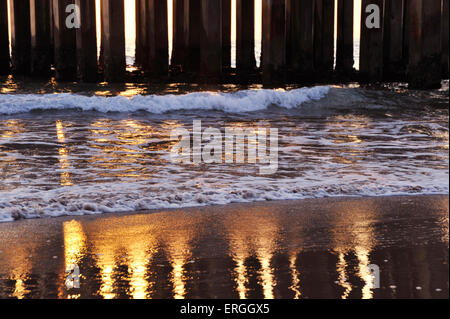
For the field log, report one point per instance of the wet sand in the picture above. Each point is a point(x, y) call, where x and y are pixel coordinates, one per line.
point(319, 248)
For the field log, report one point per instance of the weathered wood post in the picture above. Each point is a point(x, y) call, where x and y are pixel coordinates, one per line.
point(424, 69)
point(344, 50)
point(245, 37)
point(4, 38)
point(274, 41)
point(144, 49)
point(179, 33)
point(444, 37)
point(158, 39)
point(113, 37)
point(299, 40)
point(41, 48)
point(138, 40)
point(324, 37)
point(20, 37)
point(394, 63)
point(194, 35)
point(226, 33)
point(87, 42)
point(371, 57)
point(211, 45)
point(64, 41)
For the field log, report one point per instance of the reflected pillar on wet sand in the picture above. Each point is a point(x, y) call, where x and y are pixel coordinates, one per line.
point(4, 38)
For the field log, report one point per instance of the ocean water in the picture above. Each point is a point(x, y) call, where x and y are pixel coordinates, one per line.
point(75, 154)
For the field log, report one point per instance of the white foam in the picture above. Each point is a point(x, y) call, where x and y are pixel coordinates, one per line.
point(236, 102)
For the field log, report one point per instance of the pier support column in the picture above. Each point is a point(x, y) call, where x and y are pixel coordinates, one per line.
point(424, 70)
point(245, 36)
point(211, 45)
point(144, 49)
point(371, 57)
point(274, 41)
point(226, 33)
point(444, 37)
point(87, 42)
point(179, 33)
point(113, 38)
point(20, 36)
point(299, 40)
point(138, 41)
point(394, 63)
point(158, 39)
point(194, 35)
point(41, 47)
point(324, 37)
point(344, 50)
point(4, 38)
point(64, 43)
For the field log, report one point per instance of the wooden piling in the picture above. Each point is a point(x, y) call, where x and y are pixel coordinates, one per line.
point(4, 39)
point(371, 54)
point(194, 35)
point(394, 62)
point(138, 40)
point(299, 40)
point(87, 42)
point(144, 49)
point(344, 50)
point(179, 33)
point(424, 69)
point(41, 48)
point(324, 37)
point(113, 37)
point(20, 37)
point(158, 39)
point(274, 41)
point(226, 33)
point(444, 39)
point(64, 43)
point(211, 44)
point(245, 37)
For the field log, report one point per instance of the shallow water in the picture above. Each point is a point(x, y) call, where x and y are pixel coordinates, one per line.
point(72, 154)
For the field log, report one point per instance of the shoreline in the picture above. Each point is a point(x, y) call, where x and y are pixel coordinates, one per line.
point(285, 249)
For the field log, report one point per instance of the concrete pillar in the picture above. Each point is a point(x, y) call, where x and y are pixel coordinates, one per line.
point(41, 48)
point(394, 63)
point(344, 50)
point(371, 57)
point(425, 58)
point(194, 34)
point(113, 37)
point(20, 36)
point(4, 38)
point(226, 33)
point(158, 39)
point(87, 42)
point(324, 36)
point(211, 45)
point(245, 36)
point(64, 43)
point(179, 33)
point(299, 38)
point(444, 37)
point(274, 41)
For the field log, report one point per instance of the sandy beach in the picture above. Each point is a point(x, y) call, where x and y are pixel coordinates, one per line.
point(315, 248)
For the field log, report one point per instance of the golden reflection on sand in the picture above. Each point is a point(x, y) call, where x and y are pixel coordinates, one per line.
point(64, 162)
point(257, 235)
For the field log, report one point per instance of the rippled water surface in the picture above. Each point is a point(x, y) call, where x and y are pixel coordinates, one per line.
point(69, 154)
